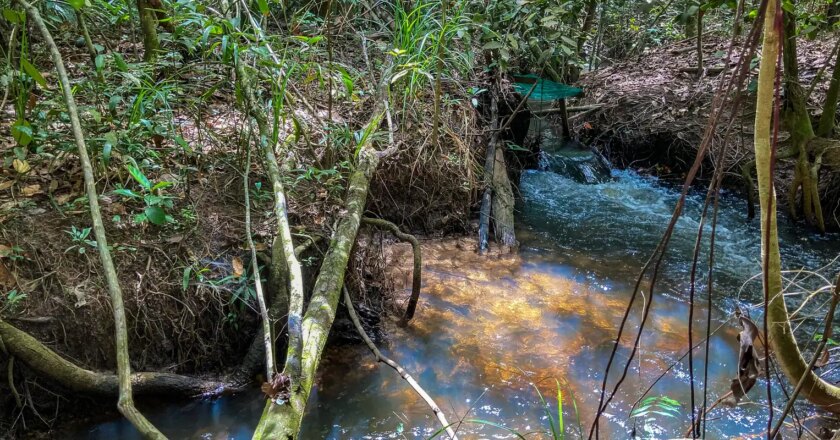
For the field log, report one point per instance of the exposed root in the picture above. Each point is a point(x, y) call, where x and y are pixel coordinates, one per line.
point(48, 363)
point(417, 276)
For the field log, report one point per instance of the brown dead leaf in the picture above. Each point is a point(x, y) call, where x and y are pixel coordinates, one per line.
point(6, 185)
point(5, 251)
point(7, 280)
point(824, 359)
point(238, 268)
point(31, 190)
point(63, 198)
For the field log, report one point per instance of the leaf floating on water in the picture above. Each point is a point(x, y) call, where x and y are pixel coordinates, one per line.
point(748, 367)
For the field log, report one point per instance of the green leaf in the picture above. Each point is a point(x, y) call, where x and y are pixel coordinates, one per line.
point(113, 102)
point(22, 132)
point(76, 4)
point(263, 5)
point(99, 62)
point(139, 177)
point(492, 45)
point(162, 185)
point(122, 66)
point(125, 192)
point(156, 215)
point(33, 73)
point(185, 281)
point(13, 16)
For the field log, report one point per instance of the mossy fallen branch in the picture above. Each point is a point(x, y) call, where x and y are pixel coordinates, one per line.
point(51, 365)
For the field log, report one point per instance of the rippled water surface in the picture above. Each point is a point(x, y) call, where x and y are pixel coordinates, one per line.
point(491, 331)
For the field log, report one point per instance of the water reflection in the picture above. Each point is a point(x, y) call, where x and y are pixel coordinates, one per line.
point(490, 331)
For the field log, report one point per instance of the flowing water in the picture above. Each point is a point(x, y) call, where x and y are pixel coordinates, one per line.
point(491, 332)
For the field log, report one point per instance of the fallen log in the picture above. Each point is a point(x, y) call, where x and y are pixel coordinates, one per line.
point(51, 365)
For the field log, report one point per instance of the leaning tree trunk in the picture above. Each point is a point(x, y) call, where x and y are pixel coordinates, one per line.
point(50, 364)
point(781, 338)
point(126, 402)
point(282, 421)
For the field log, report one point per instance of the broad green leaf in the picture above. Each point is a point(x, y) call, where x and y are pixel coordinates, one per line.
point(76, 4)
point(492, 45)
point(99, 62)
point(263, 5)
point(22, 132)
point(155, 215)
point(13, 16)
point(122, 66)
point(125, 192)
point(33, 73)
point(139, 177)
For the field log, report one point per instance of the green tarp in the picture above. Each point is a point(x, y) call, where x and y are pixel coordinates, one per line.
point(546, 90)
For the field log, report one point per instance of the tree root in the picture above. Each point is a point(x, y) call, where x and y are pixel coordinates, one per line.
point(23, 347)
point(404, 374)
point(418, 263)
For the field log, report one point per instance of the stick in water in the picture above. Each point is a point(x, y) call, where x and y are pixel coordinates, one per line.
point(404, 374)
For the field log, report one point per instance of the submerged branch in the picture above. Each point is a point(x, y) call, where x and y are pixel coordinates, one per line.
point(404, 374)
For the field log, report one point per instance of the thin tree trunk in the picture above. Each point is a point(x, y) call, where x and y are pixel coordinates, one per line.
point(489, 163)
point(700, 43)
point(148, 25)
point(80, 16)
point(283, 233)
point(780, 335)
point(268, 341)
point(126, 402)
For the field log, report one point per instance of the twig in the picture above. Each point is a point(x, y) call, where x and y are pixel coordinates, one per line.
point(404, 374)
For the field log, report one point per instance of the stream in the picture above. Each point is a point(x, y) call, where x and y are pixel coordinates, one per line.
point(492, 332)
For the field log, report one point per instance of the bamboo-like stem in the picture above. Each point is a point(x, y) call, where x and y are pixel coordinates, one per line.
point(400, 370)
point(126, 402)
point(266, 322)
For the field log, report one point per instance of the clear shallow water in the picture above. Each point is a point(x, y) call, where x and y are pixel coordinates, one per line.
point(492, 330)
